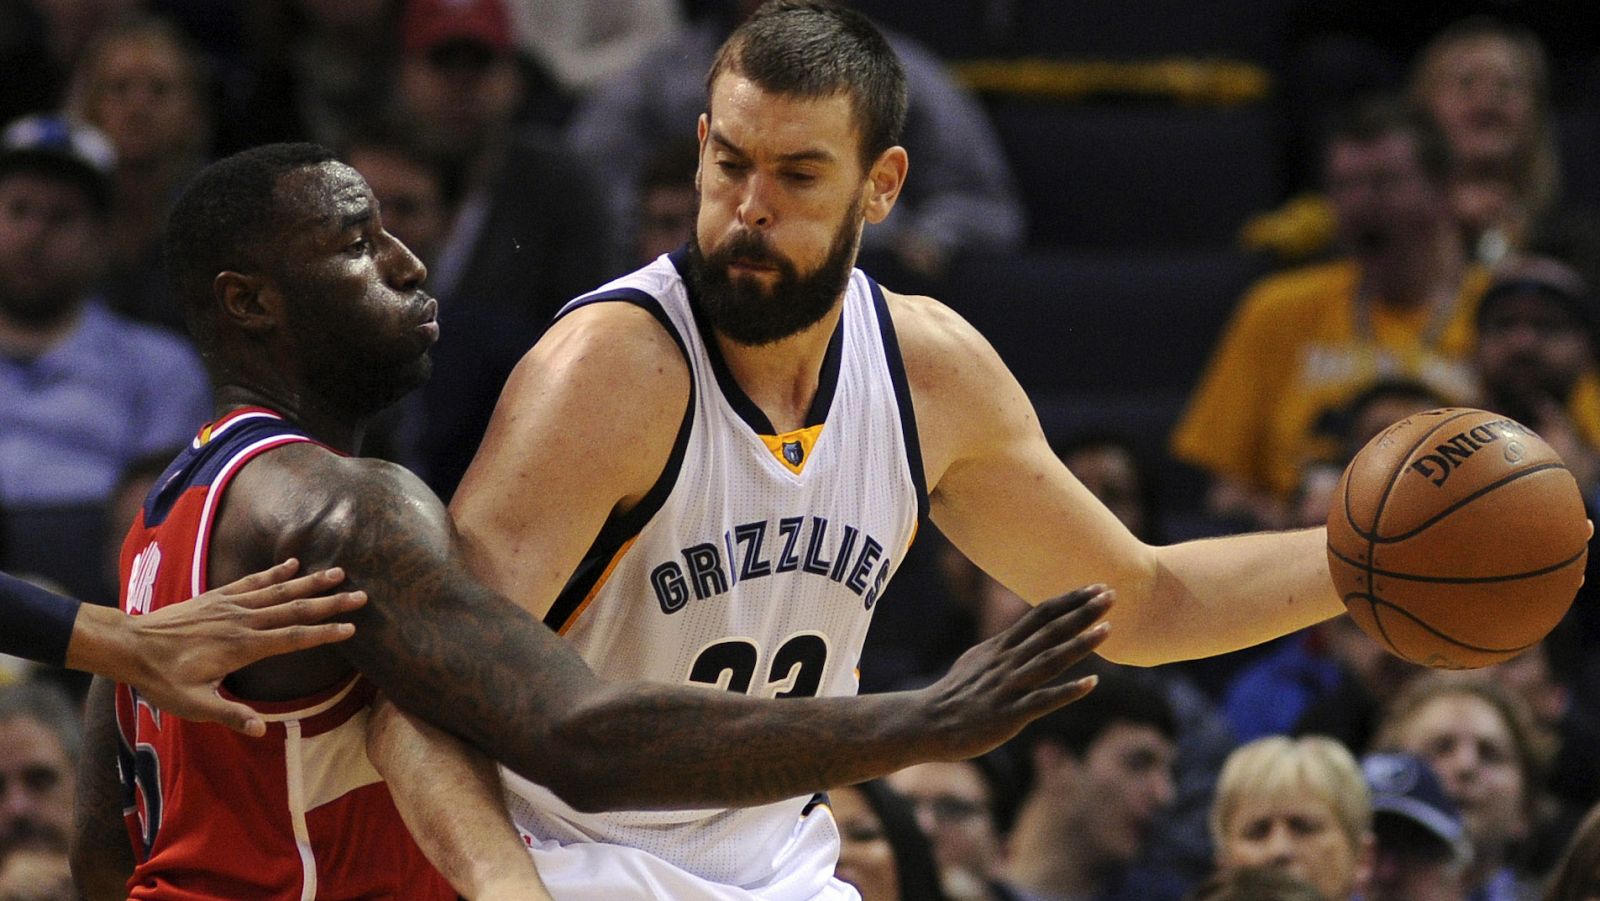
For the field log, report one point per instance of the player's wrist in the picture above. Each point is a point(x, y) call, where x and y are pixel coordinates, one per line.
point(930, 722)
point(103, 642)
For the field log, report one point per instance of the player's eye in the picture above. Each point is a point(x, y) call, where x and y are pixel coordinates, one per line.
point(359, 246)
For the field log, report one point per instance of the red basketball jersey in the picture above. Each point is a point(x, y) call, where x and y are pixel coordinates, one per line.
point(295, 815)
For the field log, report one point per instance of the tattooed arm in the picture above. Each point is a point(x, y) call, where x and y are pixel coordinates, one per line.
point(449, 650)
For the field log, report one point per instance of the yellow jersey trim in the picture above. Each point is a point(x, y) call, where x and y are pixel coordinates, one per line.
point(793, 449)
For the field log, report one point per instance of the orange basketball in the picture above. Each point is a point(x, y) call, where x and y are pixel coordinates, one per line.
point(1457, 538)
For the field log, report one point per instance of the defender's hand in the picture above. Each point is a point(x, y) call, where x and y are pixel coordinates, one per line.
point(1003, 684)
point(183, 652)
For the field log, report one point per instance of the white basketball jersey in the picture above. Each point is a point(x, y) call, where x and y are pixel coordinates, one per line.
point(752, 566)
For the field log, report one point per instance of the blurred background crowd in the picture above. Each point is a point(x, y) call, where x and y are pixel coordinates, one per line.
point(1220, 244)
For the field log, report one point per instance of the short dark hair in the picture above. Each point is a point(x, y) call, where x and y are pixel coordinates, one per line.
point(816, 49)
point(1122, 696)
point(223, 217)
point(1374, 118)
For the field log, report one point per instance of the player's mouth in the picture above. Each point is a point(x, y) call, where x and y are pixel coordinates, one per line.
point(429, 326)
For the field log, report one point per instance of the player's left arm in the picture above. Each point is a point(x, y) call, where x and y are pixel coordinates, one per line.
point(1003, 497)
point(450, 798)
point(101, 855)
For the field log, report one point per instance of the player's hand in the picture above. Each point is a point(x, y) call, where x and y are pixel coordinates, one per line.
point(184, 651)
point(1001, 685)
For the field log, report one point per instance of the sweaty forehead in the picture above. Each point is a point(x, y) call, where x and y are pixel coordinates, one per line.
point(325, 195)
point(746, 113)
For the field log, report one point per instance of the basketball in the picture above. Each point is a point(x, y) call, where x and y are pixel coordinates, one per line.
point(1457, 538)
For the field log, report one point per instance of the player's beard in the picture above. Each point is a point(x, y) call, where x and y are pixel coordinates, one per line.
point(741, 308)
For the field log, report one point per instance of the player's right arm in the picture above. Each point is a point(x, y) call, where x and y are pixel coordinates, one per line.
point(451, 800)
point(455, 653)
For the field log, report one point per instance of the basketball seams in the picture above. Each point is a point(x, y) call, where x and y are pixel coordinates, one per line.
point(1377, 513)
point(1464, 500)
point(1376, 602)
point(1461, 580)
point(1371, 533)
point(1366, 479)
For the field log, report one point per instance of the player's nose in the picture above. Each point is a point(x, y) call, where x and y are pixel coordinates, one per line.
point(404, 270)
point(755, 207)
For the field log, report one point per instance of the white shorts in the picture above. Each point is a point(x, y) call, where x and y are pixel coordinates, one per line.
point(591, 871)
point(601, 871)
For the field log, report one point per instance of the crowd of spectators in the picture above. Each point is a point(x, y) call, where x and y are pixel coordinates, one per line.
point(1426, 251)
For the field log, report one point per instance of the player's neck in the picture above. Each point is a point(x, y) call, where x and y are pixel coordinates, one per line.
point(338, 431)
point(782, 377)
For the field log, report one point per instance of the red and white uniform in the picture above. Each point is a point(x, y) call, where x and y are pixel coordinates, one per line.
point(295, 815)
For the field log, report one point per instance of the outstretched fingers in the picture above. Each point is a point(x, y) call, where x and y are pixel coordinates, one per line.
point(1042, 615)
point(297, 625)
point(1051, 666)
point(1062, 618)
point(273, 587)
point(1055, 697)
point(264, 578)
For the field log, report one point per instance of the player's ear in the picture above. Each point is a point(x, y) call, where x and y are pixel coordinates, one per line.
point(884, 181)
point(244, 301)
point(702, 128)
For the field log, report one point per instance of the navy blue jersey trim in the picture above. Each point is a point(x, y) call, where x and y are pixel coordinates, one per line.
point(828, 378)
point(201, 466)
point(754, 416)
point(902, 393)
point(619, 530)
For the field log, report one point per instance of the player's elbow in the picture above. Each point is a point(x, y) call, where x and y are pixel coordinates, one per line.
point(1143, 592)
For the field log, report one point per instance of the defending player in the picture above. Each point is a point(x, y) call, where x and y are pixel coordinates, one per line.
point(311, 319)
point(707, 470)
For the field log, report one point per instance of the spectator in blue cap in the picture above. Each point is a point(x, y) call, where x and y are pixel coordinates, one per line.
point(82, 390)
point(1422, 849)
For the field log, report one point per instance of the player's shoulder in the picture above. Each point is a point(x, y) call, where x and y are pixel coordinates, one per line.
point(939, 348)
point(618, 341)
point(923, 323)
point(305, 487)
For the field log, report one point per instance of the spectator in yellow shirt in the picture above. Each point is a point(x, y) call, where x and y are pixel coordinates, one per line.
point(1303, 343)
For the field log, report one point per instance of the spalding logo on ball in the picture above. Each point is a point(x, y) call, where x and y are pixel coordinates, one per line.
point(1457, 538)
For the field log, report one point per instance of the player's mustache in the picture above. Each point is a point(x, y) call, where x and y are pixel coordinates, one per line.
point(749, 247)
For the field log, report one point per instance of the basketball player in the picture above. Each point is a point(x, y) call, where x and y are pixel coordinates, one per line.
point(707, 470)
point(178, 657)
point(311, 318)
